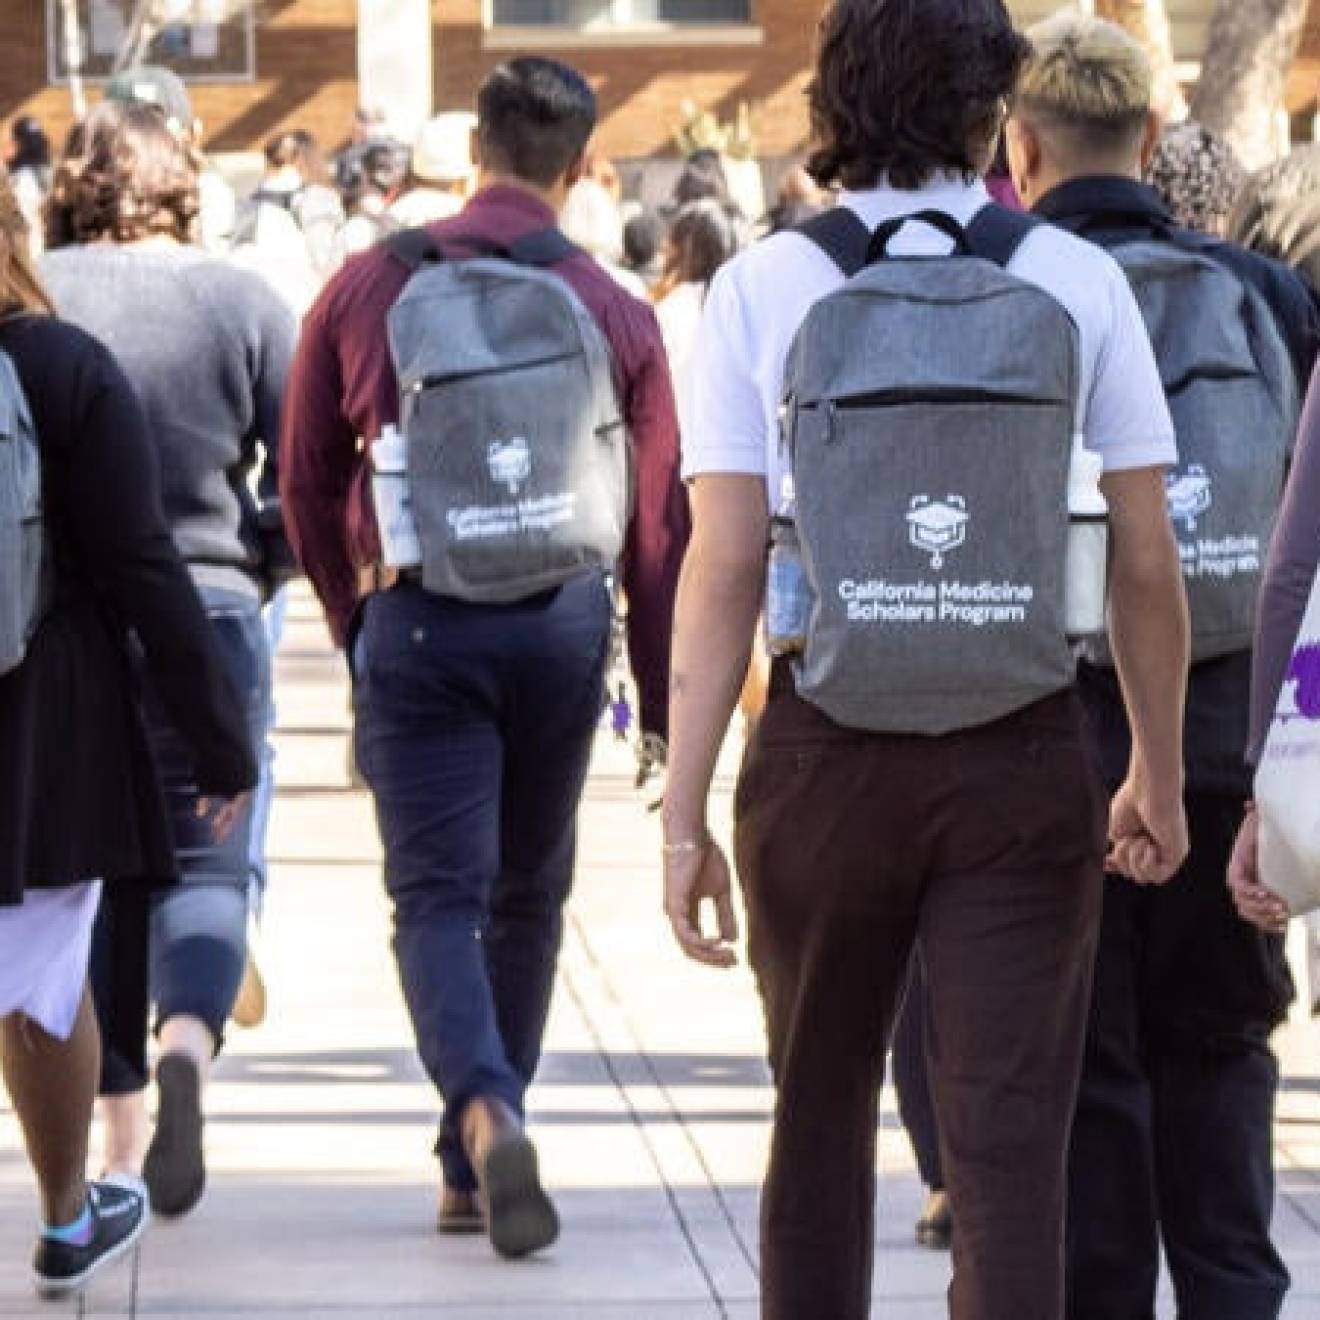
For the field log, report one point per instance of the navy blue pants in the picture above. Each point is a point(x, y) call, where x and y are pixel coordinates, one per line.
point(1173, 1140)
point(474, 732)
point(196, 931)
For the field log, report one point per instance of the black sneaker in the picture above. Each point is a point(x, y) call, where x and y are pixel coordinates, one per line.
point(119, 1216)
point(175, 1169)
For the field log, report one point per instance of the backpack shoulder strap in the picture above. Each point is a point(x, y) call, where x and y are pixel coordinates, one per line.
point(414, 248)
point(545, 248)
point(842, 236)
point(996, 233)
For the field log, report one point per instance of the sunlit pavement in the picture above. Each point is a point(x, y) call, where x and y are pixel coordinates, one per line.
point(651, 1111)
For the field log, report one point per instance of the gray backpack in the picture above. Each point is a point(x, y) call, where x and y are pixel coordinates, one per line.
point(930, 411)
point(22, 538)
point(1232, 392)
point(518, 459)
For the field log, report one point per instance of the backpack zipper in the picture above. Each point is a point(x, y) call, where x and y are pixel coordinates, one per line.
point(898, 398)
point(460, 377)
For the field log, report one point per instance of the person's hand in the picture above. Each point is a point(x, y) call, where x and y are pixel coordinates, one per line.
point(222, 813)
point(1254, 902)
point(1147, 834)
point(695, 876)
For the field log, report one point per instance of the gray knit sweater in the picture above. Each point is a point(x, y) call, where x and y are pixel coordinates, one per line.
point(208, 349)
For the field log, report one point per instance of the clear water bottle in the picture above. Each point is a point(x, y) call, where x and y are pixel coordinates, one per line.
point(788, 597)
point(1086, 571)
point(400, 545)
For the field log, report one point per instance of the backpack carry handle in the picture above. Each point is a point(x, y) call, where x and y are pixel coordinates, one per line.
point(946, 224)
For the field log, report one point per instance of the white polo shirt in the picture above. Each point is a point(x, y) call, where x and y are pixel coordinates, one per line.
point(759, 301)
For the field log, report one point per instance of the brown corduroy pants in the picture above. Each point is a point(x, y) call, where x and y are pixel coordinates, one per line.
point(986, 847)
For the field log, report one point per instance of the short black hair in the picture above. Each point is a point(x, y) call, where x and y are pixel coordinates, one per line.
point(703, 177)
point(534, 119)
point(907, 89)
point(643, 237)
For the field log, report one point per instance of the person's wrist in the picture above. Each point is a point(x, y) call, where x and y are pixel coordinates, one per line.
point(681, 828)
point(1158, 785)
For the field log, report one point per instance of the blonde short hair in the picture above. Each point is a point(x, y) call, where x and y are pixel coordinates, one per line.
point(1086, 73)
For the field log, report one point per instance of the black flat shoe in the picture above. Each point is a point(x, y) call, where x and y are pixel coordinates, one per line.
point(175, 1167)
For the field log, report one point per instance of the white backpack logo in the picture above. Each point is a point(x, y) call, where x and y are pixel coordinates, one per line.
point(935, 527)
point(510, 463)
point(1190, 494)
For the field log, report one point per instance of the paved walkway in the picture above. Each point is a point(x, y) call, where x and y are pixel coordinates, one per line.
point(651, 1110)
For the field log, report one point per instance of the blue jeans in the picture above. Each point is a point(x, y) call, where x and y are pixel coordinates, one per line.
point(273, 620)
point(474, 731)
point(197, 929)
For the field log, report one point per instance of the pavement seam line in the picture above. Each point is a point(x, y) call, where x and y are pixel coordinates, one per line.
point(726, 1211)
point(607, 1061)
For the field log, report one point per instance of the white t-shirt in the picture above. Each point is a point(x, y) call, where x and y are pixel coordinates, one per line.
point(759, 300)
point(679, 314)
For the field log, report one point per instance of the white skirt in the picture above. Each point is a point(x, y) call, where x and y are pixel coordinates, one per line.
point(45, 944)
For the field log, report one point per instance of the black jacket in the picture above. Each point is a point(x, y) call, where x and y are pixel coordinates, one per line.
point(1111, 212)
point(79, 794)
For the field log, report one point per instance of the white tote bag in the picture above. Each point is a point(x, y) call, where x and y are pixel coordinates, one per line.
point(1288, 781)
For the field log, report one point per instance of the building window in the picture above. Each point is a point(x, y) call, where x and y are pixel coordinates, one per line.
point(604, 15)
point(202, 40)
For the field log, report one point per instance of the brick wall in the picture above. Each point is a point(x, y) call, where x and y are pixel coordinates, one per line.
point(306, 62)
point(306, 65)
point(306, 74)
point(642, 89)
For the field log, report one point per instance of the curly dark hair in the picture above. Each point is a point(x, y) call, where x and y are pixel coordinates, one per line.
point(123, 177)
point(906, 89)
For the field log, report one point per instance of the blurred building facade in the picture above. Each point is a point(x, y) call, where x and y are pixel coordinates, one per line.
point(258, 66)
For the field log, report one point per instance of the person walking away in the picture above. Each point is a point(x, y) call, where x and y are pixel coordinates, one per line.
point(28, 161)
point(92, 590)
point(161, 88)
point(1197, 175)
point(297, 182)
point(207, 348)
point(702, 239)
point(370, 180)
point(1277, 212)
point(920, 777)
point(478, 685)
point(441, 173)
point(1186, 996)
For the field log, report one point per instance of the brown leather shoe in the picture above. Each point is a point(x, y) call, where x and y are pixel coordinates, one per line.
point(519, 1215)
point(460, 1212)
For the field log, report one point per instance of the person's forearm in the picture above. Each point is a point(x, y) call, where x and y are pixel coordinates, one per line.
point(714, 623)
point(1150, 639)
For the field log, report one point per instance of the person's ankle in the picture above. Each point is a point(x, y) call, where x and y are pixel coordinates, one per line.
point(66, 1208)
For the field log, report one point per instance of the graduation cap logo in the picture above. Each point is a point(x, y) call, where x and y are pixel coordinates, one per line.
point(510, 462)
point(937, 526)
point(1190, 495)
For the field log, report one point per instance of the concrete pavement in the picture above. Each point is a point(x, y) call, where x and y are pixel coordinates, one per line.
point(651, 1111)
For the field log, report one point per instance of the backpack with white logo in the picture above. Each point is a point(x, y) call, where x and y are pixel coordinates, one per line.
point(931, 405)
point(518, 459)
point(1230, 384)
point(22, 538)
